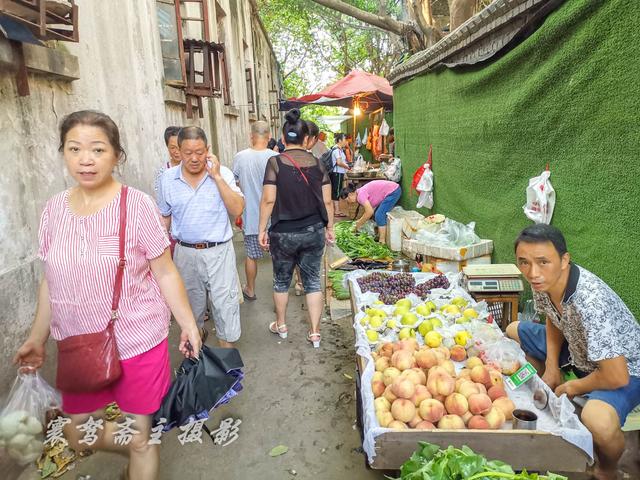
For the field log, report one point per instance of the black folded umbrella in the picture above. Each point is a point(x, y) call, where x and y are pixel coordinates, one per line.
point(201, 385)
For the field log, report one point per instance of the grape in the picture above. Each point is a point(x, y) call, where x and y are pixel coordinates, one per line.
point(394, 287)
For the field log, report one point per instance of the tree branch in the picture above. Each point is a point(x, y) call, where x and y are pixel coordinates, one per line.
point(384, 22)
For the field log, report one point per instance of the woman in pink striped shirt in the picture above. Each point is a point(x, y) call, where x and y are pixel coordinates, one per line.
point(79, 247)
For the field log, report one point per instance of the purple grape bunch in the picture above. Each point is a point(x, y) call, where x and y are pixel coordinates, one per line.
point(394, 287)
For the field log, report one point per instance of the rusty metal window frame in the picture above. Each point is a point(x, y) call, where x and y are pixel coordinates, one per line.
point(38, 15)
point(248, 76)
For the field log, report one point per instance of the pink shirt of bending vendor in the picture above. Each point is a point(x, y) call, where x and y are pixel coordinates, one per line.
point(374, 192)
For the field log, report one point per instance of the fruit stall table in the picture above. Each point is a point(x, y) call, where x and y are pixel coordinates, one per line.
point(568, 449)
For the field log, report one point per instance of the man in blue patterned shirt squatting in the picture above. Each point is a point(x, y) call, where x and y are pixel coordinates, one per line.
point(587, 327)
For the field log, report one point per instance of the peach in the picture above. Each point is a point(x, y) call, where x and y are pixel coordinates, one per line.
point(458, 353)
point(386, 350)
point(378, 388)
point(426, 359)
point(481, 388)
point(389, 395)
point(511, 367)
point(389, 375)
point(480, 375)
point(416, 376)
point(382, 404)
point(465, 373)
point(437, 370)
point(403, 410)
point(384, 417)
point(456, 404)
point(441, 384)
point(474, 362)
point(374, 355)
point(440, 398)
point(397, 425)
point(410, 344)
point(506, 405)
point(478, 422)
point(403, 360)
point(468, 388)
point(466, 417)
point(459, 382)
point(382, 364)
point(495, 378)
point(431, 410)
point(496, 392)
point(445, 351)
point(449, 367)
point(421, 393)
point(424, 425)
point(415, 421)
point(495, 418)
point(377, 376)
point(451, 422)
point(403, 388)
point(479, 403)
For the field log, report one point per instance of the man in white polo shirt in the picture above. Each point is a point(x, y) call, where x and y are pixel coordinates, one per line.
point(196, 199)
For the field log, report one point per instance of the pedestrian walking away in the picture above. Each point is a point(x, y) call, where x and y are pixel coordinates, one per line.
point(340, 167)
point(296, 197)
point(82, 235)
point(196, 199)
point(248, 169)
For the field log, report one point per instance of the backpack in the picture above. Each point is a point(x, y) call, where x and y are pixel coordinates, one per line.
point(327, 160)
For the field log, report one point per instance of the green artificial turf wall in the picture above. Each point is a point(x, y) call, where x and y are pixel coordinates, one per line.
point(568, 96)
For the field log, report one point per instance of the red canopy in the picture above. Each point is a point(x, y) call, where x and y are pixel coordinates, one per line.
point(371, 91)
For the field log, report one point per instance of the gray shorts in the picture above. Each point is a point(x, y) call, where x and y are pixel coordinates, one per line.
point(252, 247)
point(213, 271)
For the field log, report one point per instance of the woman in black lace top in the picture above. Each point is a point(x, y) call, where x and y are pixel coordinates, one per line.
point(296, 197)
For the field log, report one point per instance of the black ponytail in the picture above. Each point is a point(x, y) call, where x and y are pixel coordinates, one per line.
point(338, 137)
point(294, 129)
point(348, 190)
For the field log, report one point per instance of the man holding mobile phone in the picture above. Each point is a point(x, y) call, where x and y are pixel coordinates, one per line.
point(196, 199)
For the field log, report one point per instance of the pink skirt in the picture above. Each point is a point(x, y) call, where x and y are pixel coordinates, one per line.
point(144, 382)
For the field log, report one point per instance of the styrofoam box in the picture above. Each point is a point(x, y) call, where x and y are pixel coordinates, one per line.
point(454, 266)
point(395, 227)
point(412, 247)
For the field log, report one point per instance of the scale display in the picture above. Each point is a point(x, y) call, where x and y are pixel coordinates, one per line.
point(495, 285)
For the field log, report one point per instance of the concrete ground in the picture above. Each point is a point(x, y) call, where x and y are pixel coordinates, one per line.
point(293, 395)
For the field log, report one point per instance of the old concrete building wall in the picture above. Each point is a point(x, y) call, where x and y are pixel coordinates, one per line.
point(117, 66)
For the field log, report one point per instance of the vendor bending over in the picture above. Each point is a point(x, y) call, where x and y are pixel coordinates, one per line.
point(378, 198)
point(587, 327)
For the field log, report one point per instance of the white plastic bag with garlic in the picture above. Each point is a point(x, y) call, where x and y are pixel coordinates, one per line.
point(23, 416)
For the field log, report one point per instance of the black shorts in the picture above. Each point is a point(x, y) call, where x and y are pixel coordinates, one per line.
point(337, 179)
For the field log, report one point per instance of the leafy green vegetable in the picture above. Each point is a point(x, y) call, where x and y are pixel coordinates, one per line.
point(429, 462)
point(279, 450)
point(339, 291)
point(359, 245)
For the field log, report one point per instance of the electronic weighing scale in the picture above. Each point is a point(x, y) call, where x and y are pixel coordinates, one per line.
point(493, 278)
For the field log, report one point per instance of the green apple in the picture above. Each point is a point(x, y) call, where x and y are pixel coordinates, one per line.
point(462, 319)
point(470, 313)
point(409, 318)
point(391, 324)
point(435, 322)
point(459, 302)
point(405, 333)
point(424, 310)
point(425, 327)
point(372, 335)
point(375, 322)
point(405, 302)
point(400, 311)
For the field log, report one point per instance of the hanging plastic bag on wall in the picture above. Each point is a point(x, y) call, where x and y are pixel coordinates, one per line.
point(425, 189)
point(384, 128)
point(541, 198)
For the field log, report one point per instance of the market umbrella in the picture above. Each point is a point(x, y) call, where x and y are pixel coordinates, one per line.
point(201, 385)
point(370, 92)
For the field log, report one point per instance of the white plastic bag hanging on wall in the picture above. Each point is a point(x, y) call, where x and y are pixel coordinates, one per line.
point(425, 188)
point(541, 198)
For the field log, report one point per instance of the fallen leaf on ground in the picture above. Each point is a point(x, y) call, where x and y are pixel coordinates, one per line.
point(279, 450)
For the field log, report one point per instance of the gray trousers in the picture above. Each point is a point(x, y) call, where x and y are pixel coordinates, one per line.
point(213, 271)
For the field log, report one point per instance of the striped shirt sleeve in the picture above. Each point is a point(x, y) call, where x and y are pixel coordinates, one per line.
point(43, 234)
point(152, 236)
